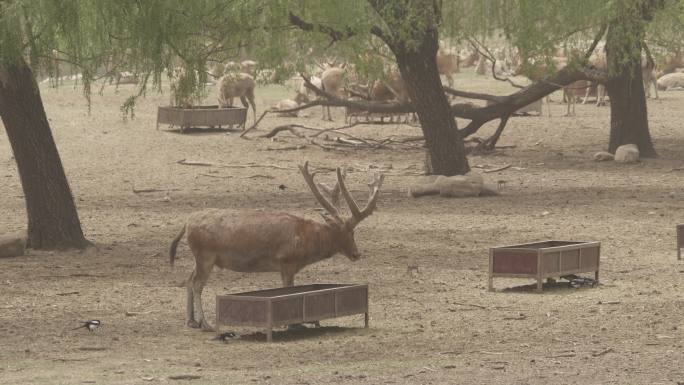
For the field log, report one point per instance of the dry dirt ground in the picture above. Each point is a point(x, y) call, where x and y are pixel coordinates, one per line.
point(436, 324)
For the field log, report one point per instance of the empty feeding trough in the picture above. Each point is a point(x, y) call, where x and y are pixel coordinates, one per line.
point(201, 116)
point(680, 240)
point(545, 259)
point(291, 305)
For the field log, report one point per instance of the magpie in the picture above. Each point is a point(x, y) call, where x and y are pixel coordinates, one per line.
point(225, 336)
point(90, 325)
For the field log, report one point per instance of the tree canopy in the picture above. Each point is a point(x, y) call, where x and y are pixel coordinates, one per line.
point(151, 37)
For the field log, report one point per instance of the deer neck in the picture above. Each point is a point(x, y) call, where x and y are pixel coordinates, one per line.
point(325, 243)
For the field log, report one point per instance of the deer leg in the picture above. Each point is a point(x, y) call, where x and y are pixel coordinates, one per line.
point(190, 305)
point(655, 87)
point(250, 97)
point(548, 105)
point(600, 95)
point(586, 95)
point(287, 275)
point(201, 275)
point(246, 105)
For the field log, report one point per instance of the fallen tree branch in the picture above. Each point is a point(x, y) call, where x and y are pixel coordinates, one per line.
point(185, 162)
point(248, 165)
point(151, 190)
point(497, 169)
point(473, 95)
point(253, 126)
point(216, 176)
point(285, 127)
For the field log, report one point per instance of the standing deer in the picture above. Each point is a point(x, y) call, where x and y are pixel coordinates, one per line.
point(264, 242)
point(236, 85)
point(332, 81)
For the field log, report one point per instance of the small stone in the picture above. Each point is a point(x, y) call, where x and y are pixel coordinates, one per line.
point(603, 156)
point(12, 245)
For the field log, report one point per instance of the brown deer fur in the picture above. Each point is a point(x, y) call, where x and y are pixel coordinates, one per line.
point(268, 242)
point(332, 81)
point(236, 85)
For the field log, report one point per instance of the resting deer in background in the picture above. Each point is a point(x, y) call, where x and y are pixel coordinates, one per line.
point(263, 242)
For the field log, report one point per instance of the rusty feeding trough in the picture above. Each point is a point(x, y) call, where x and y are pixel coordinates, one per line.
point(680, 240)
point(545, 259)
point(201, 116)
point(291, 305)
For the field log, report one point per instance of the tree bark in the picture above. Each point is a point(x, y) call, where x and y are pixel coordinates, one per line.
point(52, 218)
point(418, 67)
point(628, 113)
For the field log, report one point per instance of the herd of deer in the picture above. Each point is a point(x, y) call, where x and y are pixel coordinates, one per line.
point(271, 242)
point(237, 80)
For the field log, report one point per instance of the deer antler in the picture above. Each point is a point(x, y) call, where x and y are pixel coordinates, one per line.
point(335, 191)
point(308, 177)
point(359, 215)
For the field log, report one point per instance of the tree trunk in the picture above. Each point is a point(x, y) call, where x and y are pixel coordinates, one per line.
point(418, 67)
point(628, 114)
point(52, 218)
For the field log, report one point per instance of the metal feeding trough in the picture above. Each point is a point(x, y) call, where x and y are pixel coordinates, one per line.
point(201, 116)
point(545, 259)
point(680, 240)
point(291, 305)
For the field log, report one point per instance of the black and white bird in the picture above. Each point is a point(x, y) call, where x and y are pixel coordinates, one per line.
point(90, 325)
point(225, 337)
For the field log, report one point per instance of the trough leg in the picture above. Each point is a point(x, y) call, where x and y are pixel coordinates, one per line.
point(365, 320)
point(540, 284)
point(269, 334)
point(490, 285)
point(596, 276)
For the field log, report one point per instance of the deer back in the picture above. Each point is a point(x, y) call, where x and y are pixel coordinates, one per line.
point(256, 241)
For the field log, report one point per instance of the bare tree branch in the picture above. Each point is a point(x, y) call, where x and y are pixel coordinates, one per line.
point(334, 34)
point(473, 95)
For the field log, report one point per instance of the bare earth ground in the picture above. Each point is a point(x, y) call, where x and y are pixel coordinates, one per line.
point(436, 326)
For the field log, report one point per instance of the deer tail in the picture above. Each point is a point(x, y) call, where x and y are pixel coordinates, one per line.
point(174, 245)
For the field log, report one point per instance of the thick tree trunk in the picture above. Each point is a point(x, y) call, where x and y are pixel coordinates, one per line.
point(418, 67)
point(628, 114)
point(52, 218)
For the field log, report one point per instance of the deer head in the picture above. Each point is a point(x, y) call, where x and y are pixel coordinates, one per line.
point(343, 227)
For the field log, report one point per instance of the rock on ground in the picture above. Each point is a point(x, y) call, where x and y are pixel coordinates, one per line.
point(469, 185)
point(12, 245)
point(627, 153)
point(603, 156)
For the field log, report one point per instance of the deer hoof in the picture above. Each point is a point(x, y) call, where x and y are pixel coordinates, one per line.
point(193, 324)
